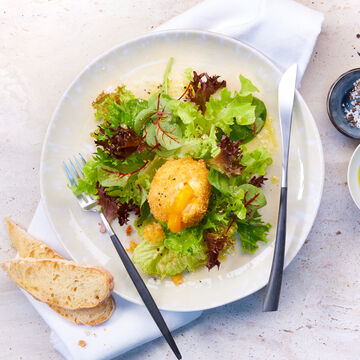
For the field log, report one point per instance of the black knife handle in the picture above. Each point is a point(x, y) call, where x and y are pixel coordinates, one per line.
point(272, 292)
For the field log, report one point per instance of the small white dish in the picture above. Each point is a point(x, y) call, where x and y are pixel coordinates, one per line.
point(353, 176)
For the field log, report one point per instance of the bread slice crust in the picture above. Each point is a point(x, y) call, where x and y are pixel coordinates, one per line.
point(91, 316)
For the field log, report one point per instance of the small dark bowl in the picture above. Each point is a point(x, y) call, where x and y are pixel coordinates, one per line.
point(339, 94)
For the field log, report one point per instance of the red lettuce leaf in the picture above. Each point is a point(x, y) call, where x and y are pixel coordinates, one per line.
point(113, 209)
point(124, 209)
point(122, 143)
point(257, 181)
point(202, 89)
point(108, 203)
point(229, 159)
point(215, 244)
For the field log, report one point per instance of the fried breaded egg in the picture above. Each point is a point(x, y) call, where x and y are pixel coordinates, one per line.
point(179, 193)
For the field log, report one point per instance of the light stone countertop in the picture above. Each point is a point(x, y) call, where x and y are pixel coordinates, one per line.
point(43, 46)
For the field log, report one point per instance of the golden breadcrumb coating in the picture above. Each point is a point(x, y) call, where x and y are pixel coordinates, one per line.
point(153, 232)
point(170, 179)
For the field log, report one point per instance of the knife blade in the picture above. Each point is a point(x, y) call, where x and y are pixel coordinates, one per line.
point(286, 94)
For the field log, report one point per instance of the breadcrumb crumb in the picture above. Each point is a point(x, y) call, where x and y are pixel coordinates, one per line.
point(177, 279)
point(82, 343)
point(129, 230)
point(132, 246)
point(153, 232)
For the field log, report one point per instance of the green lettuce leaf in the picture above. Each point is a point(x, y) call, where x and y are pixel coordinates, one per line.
point(92, 170)
point(166, 75)
point(246, 113)
point(166, 132)
point(194, 122)
point(234, 197)
point(141, 119)
point(247, 133)
point(156, 259)
point(189, 73)
point(229, 109)
point(205, 147)
point(216, 219)
point(154, 100)
point(117, 108)
point(220, 181)
point(229, 196)
point(144, 216)
point(256, 162)
point(254, 198)
point(247, 87)
point(188, 240)
point(135, 186)
point(251, 232)
point(87, 183)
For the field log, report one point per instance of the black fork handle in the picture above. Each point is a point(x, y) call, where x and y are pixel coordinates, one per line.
point(145, 295)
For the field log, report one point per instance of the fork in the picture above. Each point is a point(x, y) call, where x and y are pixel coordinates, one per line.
point(88, 203)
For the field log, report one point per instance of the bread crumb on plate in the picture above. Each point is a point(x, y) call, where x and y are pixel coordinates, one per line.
point(82, 343)
point(129, 230)
point(132, 246)
point(177, 279)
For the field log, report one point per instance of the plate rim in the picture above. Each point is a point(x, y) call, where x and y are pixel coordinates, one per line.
point(298, 97)
point(353, 157)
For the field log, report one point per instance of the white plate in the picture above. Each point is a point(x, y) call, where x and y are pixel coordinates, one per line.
point(140, 63)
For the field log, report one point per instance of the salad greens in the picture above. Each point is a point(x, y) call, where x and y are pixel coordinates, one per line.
point(135, 137)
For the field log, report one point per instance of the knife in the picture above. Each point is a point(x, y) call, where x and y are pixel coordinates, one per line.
point(285, 104)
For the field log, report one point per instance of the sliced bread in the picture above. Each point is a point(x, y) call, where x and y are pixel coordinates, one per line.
point(28, 246)
point(91, 316)
point(61, 282)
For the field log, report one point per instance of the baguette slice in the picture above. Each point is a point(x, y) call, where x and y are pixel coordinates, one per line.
point(60, 282)
point(92, 316)
point(28, 246)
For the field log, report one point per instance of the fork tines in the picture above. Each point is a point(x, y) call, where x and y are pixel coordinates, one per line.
point(72, 166)
point(87, 202)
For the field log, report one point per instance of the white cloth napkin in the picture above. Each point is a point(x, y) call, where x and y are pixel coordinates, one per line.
point(283, 30)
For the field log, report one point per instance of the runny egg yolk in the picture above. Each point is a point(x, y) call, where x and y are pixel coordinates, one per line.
point(181, 201)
